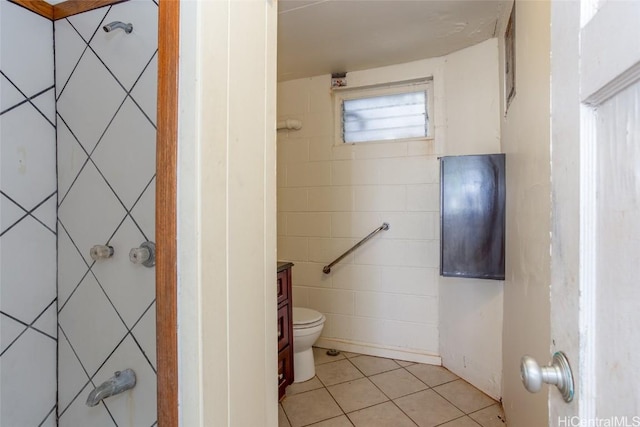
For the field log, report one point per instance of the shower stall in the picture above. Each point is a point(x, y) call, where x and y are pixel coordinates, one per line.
point(77, 148)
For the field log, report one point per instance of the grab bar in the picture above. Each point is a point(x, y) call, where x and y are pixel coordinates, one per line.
point(327, 268)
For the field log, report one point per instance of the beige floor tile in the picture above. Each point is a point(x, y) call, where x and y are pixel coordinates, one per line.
point(370, 365)
point(337, 372)
point(432, 375)
point(295, 388)
point(464, 396)
point(341, 421)
point(310, 407)
point(384, 415)
point(282, 418)
point(404, 363)
point(493, 416)
point(427, 408)
point(357, 394)
point(349, 355)
point(397, 383)
point(461, 422)
point(320, 356)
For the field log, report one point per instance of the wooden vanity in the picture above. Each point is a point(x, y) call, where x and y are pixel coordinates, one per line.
point(285, 328)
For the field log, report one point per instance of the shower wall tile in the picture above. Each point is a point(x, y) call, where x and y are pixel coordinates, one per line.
point(28, 218)
point(67, 57)
point(71, 370)
point(145, 333)
point(23, 31)
point(106, 162)
point(385, 294)
point(27, 166)
point(90, 80)
point(28, 379)
point(127, 55)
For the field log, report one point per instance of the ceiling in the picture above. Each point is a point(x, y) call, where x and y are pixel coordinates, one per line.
point(330, 36)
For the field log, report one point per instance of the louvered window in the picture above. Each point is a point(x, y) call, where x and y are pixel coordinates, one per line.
point(382, 114)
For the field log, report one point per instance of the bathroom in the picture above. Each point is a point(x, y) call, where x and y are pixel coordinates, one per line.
point(461, 321)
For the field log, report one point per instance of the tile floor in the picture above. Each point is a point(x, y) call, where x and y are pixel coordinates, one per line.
point(356, 390)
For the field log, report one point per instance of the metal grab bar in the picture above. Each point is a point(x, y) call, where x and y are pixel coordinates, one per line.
point(327, 268)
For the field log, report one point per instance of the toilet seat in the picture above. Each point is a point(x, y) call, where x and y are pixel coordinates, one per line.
point(304, 318)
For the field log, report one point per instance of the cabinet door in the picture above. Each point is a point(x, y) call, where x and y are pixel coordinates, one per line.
point(283, 327)
point(283, 286)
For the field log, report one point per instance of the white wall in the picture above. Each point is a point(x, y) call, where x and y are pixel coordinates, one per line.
point(227, 214)
point(28, 219)
point(382, 299)
point(106, 86)
point(526, 142)
point(387, 299)
point(471, 310)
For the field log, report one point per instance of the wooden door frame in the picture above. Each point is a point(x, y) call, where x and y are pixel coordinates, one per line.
point(166, 212)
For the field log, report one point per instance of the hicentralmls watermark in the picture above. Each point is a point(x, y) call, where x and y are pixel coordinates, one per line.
point(623, 421)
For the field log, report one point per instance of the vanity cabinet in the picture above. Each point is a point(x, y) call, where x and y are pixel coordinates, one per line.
point(285, 328)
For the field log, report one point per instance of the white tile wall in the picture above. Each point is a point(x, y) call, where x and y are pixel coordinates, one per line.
point(28, 220)
point(106, 158)
point(329, 197)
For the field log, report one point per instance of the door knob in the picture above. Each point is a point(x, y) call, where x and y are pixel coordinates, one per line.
point(558, 374)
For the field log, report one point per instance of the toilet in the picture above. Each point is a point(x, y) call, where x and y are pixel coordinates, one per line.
point(307, 326)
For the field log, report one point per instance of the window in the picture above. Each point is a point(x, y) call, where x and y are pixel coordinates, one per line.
point(394, 112)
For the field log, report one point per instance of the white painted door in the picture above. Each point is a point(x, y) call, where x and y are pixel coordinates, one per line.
point(595, 294)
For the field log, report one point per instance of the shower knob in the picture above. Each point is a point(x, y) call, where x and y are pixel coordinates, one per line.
point(558, 374)
point(101, 252)
point(145, 254)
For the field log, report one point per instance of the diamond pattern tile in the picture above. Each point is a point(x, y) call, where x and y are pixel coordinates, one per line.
point(71, 158)
point(33, 72)
point(87, 23)
point(10, 95)
point(145, 90)
point(128, 355)
point(46, 213)
point(10, 213)
point(69, 48)
point(87, 119)
point(46, 104)
point(126, 153)
point(127, 54)
point(145, 333)
point(71, 372)
point(91, 324)
point(23, 293)
point(48, 321)
point(71, 267)
point(79, 414)
point(90, 212)
point(51, 420)
point(30, 361)
point(9, 331)
point(130, 287)
point(144, 212)
point(27, 156)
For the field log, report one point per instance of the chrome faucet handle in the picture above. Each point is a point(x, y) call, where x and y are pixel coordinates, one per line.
point(145, 254)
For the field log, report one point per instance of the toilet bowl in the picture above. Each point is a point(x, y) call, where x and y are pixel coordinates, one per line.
point(307, 326)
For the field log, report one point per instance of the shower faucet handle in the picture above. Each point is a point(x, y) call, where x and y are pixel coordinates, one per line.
point(98, 252)
point(145, 254)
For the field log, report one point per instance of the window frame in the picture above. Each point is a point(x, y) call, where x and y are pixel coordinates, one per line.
point(340, 94)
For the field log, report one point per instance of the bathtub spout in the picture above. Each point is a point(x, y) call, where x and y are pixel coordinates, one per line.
point(120, 382)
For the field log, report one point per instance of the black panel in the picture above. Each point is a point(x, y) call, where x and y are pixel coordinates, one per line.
point(472, 216)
